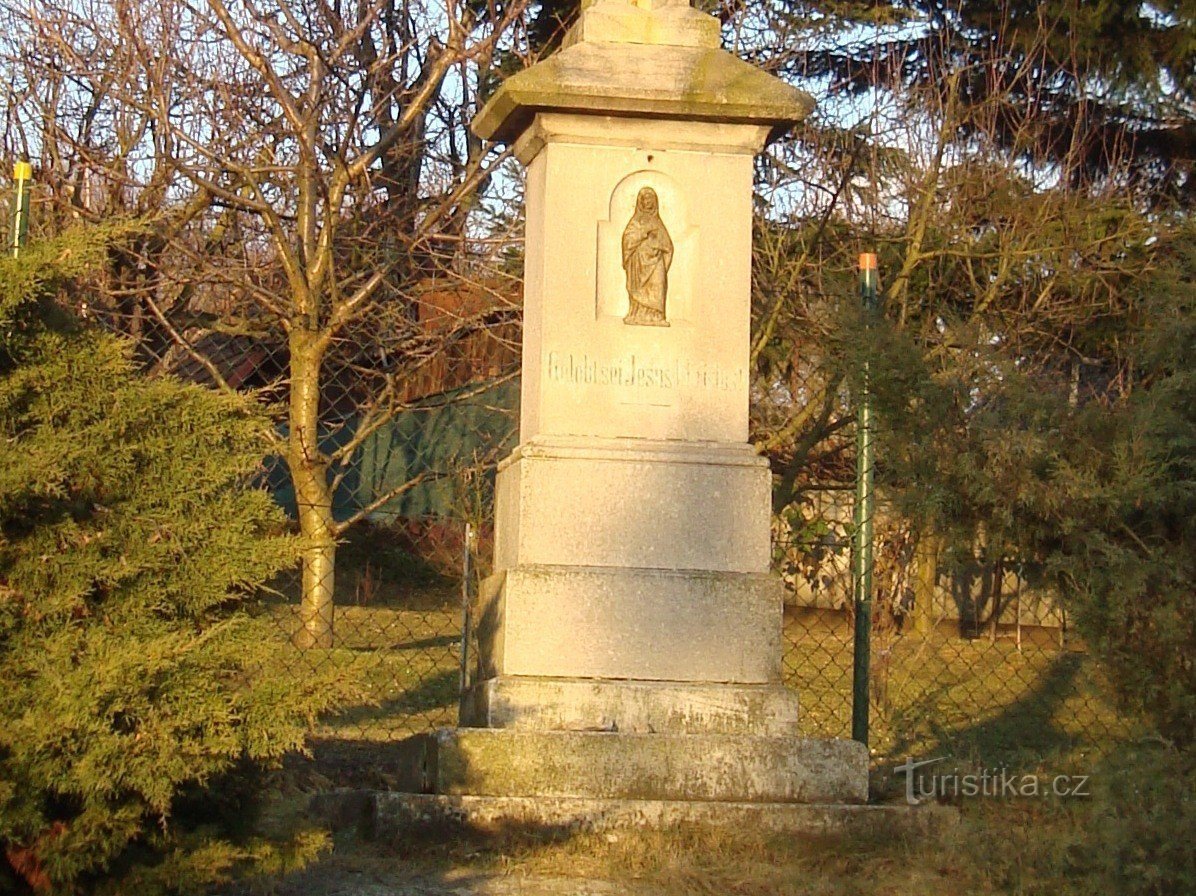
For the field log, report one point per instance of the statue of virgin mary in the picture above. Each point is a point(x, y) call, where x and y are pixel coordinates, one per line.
point(647, 257)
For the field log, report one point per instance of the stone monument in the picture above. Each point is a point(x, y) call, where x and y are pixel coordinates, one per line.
point(630, 637)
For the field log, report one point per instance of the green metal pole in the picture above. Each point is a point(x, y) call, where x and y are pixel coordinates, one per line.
point(466, 619)
point(861, 566)
point(22, 173)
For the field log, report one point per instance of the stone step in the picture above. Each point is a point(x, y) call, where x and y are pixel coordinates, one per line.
point(640, 707)
point(619, 765)
point(394, 816)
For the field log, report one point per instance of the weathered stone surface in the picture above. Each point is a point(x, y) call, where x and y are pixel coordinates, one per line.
point(642, 80)
point(641, 707)
point(398, 815)
point(632, 524)
point(672, 22)
point(609, 765)
point(627, 503)
point(586, 372)
point(650, 624)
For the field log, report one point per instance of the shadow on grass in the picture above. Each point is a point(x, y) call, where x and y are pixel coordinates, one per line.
point(433, 857)
point(1018, 737)
point(436, 641)
point(435, 691)
point(370, 745)
point(1029, 725)
point(424, 643)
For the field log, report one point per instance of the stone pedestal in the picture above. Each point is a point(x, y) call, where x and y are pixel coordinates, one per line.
point(630, 637)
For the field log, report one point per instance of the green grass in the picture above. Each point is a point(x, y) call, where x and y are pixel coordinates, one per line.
point(398, 626)
point(1135, 835)
point(985, 703)
point(405, 663)
point(945, 694)
point(933, 696)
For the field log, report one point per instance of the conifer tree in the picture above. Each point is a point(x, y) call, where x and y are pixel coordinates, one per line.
point(133, 668)
point(1117, 77)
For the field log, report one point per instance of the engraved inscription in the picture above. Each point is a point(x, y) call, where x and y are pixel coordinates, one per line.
point(635, 372)
point(647, 257)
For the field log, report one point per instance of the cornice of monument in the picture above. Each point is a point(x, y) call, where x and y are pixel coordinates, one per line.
point(647, 59)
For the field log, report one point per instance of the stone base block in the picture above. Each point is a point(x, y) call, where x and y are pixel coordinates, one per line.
point(643, 624)
point(401, 815)
point(633, 503)
point(610, 765)
point(637, 707)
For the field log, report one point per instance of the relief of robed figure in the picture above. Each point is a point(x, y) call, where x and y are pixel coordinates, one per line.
point(647, 257)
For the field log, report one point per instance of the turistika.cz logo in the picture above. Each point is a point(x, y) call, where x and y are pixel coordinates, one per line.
point(999, 783)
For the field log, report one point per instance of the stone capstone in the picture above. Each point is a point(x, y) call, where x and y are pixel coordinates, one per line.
point(690, 83)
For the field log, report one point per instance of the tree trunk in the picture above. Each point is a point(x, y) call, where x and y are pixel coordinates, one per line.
point(926, 583)
point(313, 496)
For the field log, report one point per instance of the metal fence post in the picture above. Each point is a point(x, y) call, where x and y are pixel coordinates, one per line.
point(863, 512)
point(22, 173)
point(466, 613)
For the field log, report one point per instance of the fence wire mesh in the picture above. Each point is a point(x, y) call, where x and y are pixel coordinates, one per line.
point(965, 657)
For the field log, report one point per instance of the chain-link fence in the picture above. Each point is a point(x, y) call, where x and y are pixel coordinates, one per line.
point(403, 574)
point(965, 656)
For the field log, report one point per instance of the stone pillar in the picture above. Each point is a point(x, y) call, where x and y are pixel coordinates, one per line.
point(632, 617)
point(632, 589)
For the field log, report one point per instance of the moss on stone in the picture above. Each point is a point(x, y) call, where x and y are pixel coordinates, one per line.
point(685, 83)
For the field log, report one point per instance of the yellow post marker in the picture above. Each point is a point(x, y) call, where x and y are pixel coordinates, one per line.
point(22, 173)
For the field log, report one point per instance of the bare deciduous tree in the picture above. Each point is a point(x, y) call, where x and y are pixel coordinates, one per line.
point(310, 176)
